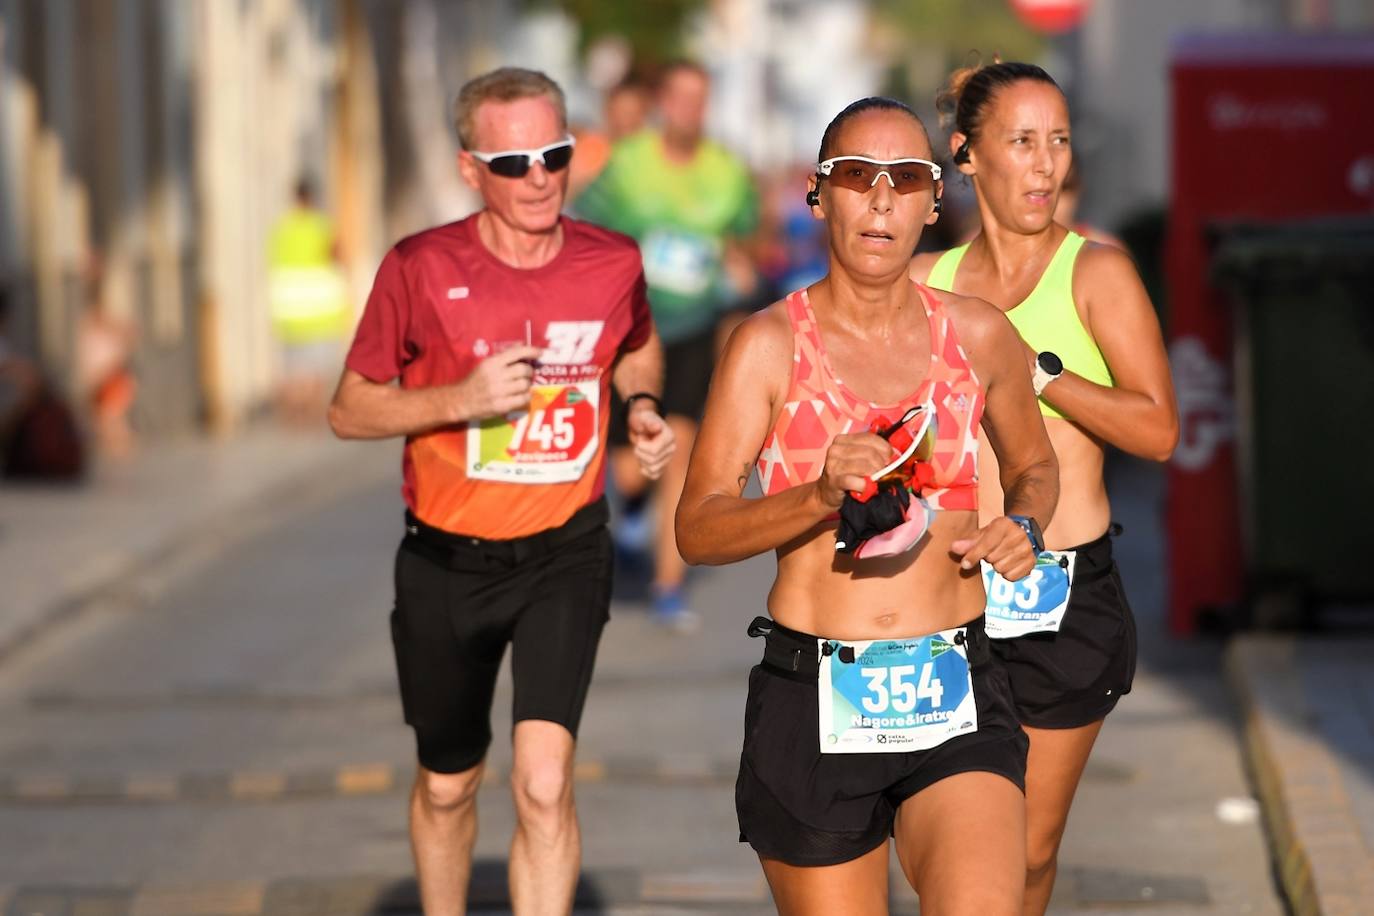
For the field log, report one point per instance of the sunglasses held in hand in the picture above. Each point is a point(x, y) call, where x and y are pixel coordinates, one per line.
point(516, 163)
point(889, 518)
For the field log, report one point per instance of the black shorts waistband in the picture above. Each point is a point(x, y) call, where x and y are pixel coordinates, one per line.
point(441, 544)
point(1094, 559)
point(794, 654)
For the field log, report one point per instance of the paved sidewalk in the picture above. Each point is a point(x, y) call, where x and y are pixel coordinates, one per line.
point(62, 547)
point(1308, 703)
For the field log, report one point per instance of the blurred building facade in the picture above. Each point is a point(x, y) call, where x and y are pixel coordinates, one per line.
point(1118, 68)
point(164, 137)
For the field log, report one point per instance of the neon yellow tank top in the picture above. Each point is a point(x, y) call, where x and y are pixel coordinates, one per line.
point(1046, 319)
point(308, 294)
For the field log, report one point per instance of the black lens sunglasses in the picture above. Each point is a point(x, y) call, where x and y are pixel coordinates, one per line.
point(516, 163)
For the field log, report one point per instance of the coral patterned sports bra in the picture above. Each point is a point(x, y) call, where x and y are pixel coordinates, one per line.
point(819, 407)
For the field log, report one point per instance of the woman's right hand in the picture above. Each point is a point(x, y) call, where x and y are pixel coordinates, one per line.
point(848, 463)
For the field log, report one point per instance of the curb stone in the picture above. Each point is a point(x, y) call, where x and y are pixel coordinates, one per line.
point(1323, 864)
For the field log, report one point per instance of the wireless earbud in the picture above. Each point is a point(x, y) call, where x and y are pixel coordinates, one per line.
point(813, 198)
point(961, 154)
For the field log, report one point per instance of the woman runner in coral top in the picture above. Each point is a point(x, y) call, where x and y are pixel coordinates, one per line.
point(878, 709)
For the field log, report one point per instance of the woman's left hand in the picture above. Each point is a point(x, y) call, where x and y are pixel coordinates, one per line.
point(1003, 543)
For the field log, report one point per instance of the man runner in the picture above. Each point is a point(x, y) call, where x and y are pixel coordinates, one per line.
point(687, 201)
point(506, 330)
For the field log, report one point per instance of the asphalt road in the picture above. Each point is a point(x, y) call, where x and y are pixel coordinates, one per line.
point(223, 736)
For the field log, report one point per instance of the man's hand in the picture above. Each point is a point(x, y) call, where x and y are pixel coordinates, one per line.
point(848, 463)
point(1003, 543)
point(499, 384)
point(652, 439)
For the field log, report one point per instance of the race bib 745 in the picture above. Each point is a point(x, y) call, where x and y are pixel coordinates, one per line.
point(552, 441)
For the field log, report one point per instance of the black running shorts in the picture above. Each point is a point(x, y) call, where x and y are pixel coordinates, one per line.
point(1075, 677)
point(803, 807)
point(687, 368)
point(461, 600)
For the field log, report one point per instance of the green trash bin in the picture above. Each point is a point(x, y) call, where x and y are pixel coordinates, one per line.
point(1304, 373)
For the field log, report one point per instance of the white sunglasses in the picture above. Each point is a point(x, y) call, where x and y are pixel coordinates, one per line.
point(515, 163)
point(860, 173)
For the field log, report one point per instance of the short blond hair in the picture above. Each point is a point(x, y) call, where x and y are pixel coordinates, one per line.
point(505, 84)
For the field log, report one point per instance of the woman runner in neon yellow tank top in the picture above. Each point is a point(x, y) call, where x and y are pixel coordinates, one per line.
point(1067, 635)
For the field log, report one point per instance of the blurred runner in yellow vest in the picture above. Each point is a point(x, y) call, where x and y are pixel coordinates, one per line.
point(310, 309)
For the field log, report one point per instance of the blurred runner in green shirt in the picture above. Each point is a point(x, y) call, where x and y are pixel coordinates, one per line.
point(685, 199)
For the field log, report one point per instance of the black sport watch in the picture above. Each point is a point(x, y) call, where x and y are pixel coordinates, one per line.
point(1032, 529)
point(1048, 367)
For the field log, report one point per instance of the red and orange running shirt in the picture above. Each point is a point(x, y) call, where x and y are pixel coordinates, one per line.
point(440, 304)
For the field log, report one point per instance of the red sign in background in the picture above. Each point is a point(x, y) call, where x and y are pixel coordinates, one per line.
point(1266, 129)
point(1051, 16)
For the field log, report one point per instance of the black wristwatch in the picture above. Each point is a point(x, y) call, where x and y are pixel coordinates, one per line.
point(1048, 367)
point(1032, 529)
point(643, 395)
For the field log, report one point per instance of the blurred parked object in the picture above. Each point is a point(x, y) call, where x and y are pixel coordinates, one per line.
point(19, 378)
point(1304, 377)
point(38, 435)
point(1265, 129)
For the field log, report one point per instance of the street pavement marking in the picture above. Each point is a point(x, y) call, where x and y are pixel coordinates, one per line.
point(368, 779)
point(603, 889)
point(372, 692)
point(237, 898)
point(39, 902)
point(684, 768)
point(99, 903)
point(257, 785)
point(704, 887)
point(372, 779)
point(589, 771)
point(42, 787)
point(350, 781)
point(343, 896)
